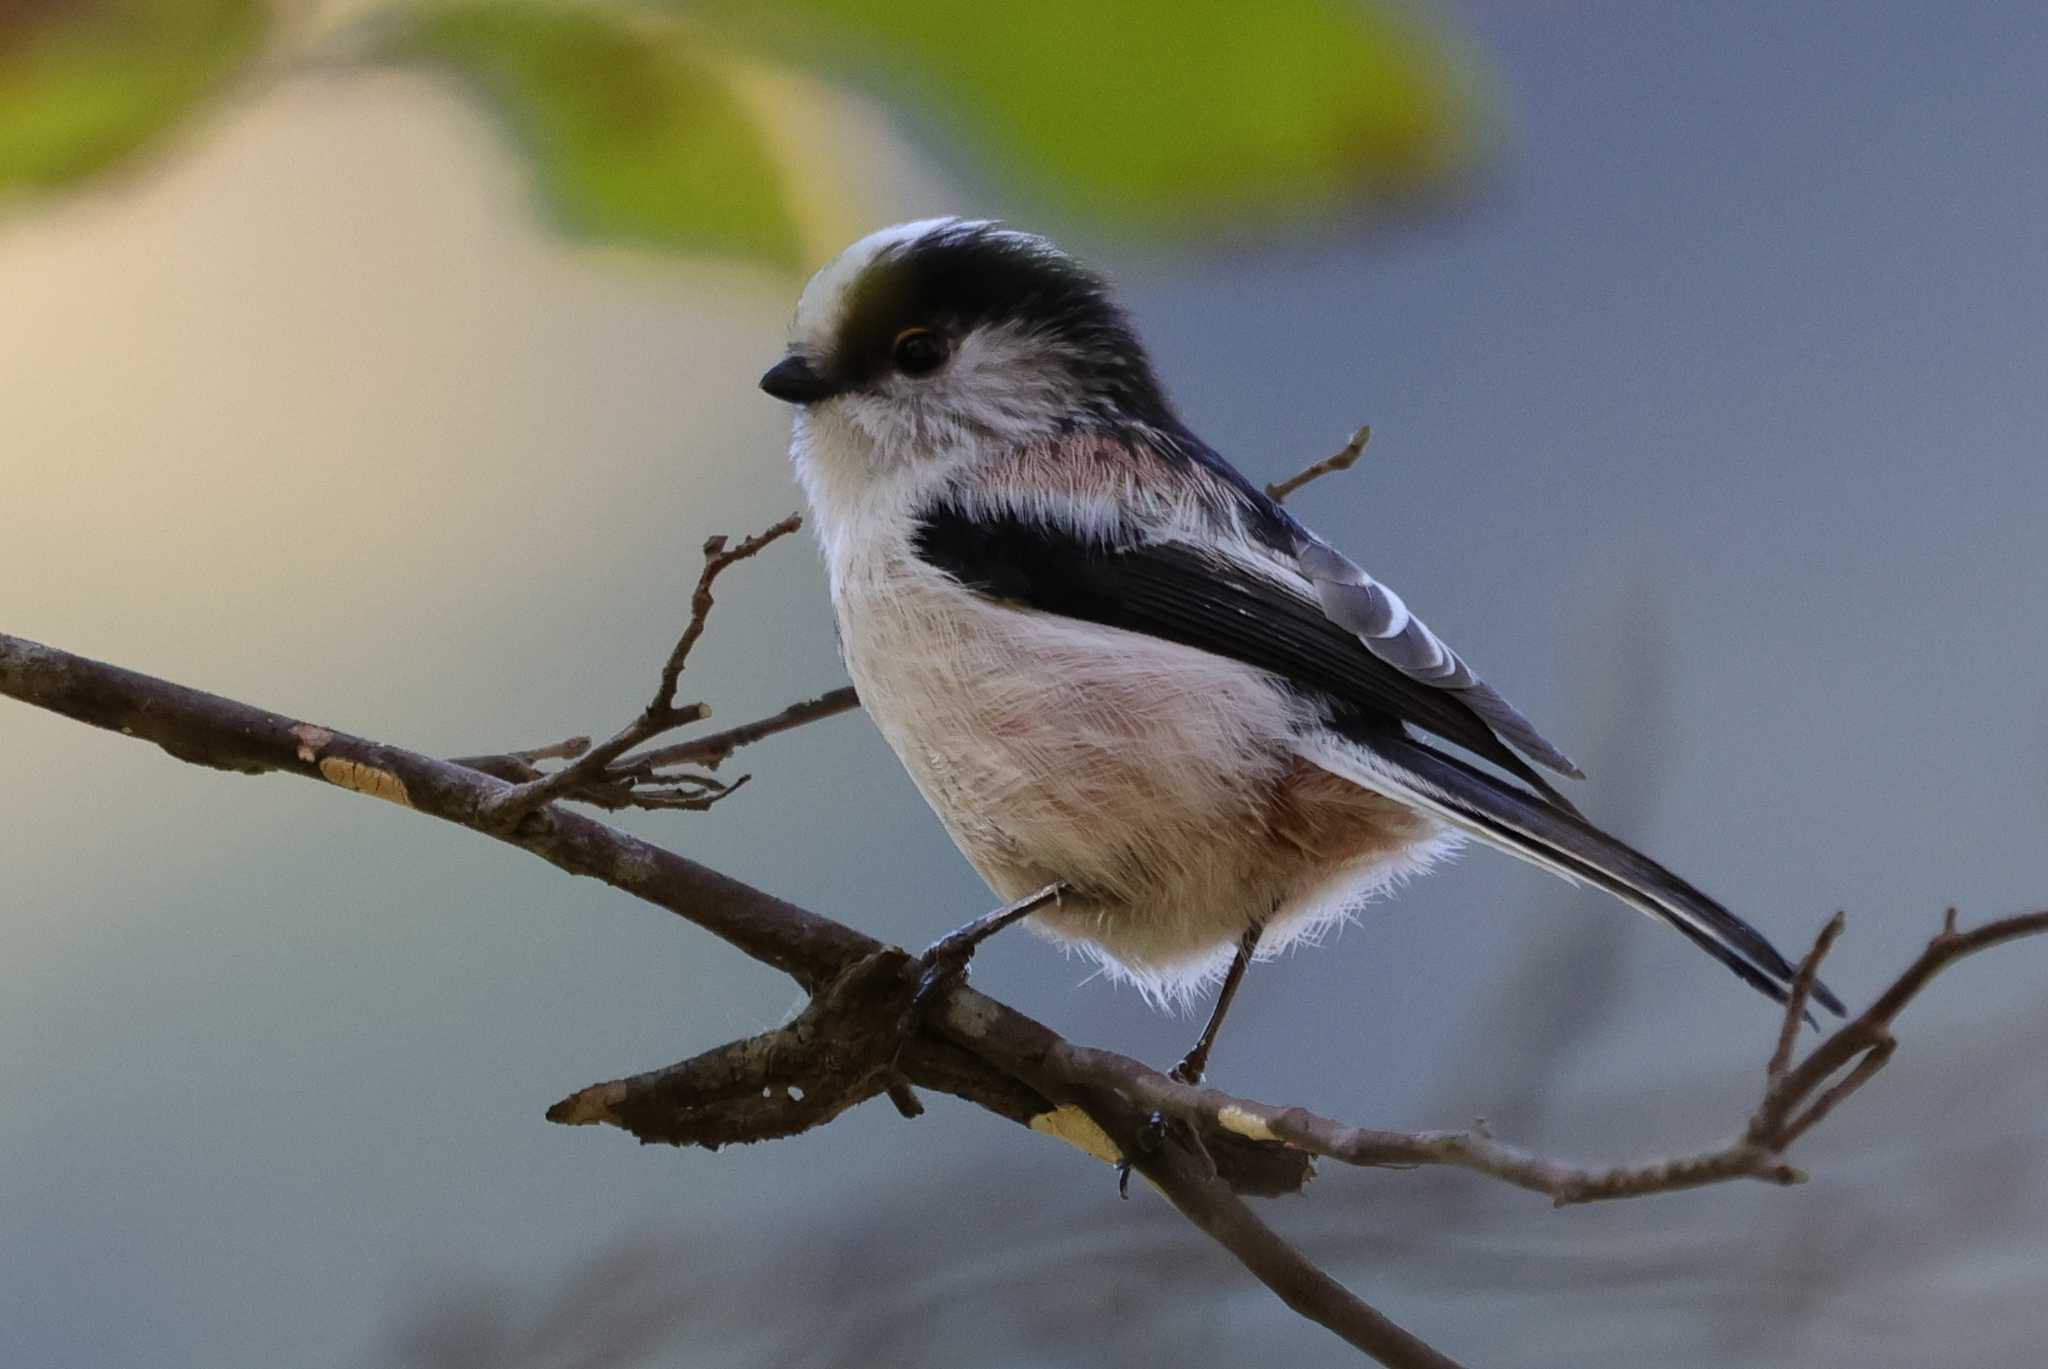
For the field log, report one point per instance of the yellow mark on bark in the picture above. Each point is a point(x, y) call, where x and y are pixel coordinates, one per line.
point(311, 739)
point(365, 779)
point(1248, 1124)
point(1078, 1130)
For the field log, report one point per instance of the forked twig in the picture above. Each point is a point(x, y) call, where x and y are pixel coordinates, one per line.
point(713, 748)
point(587, 776)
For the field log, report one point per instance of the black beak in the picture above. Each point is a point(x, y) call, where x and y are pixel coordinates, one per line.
point(793, 381)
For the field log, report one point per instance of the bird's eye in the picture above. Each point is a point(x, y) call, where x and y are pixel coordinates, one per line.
point(919, 351)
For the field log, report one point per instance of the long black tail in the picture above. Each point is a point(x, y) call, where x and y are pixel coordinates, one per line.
point(1523, 824)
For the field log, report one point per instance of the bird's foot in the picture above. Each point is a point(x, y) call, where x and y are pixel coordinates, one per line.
point(943, 964)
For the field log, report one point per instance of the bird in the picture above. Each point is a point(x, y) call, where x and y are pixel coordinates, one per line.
point(1112, 663)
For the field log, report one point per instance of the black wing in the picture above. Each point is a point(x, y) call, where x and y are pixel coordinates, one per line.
point(1197, 598)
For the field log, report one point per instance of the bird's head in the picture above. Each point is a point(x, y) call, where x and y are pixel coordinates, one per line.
point(950, 337)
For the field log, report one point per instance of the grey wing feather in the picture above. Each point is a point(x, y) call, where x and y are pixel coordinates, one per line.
point(1355, 601)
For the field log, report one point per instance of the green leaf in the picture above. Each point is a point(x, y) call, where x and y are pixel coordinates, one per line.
point(86, 83)
point(1159, 113)
point(632, 129)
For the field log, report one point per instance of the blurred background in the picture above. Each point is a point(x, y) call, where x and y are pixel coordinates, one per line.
point(387, 365)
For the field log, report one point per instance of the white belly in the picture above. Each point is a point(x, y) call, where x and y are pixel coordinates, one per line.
point(1161, 782)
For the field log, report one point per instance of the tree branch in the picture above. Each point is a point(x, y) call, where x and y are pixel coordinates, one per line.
point(205, 729)
point(838, 1052)
point(1792, 1105)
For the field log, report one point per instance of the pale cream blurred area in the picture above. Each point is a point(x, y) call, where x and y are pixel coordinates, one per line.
point(1711, 431)
point(325, 359)
point(315, 406)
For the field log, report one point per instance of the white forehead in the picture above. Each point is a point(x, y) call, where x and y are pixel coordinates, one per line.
point(823, 303)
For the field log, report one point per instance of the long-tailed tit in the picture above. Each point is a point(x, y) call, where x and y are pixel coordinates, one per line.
point(1109, 660)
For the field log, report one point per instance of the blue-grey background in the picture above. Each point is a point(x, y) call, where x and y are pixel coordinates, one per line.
point(1713, 432)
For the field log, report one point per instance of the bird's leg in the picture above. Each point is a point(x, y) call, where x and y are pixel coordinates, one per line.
point(1196, 1062)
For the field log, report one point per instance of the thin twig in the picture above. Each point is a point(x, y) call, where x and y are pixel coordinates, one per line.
point(718, 557)
point(662, 713)
point(713, 748)
point(690, 794)
point(1795, 999)
point(1341, 460)
point(634, 783)
point(517, 767)
point(1878, 1057)
point(515, 803)
point(1868, 1035)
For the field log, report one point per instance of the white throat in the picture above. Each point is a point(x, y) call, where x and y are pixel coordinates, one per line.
point(864, 495)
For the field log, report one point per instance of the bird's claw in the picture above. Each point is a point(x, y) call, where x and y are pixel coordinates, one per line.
point(943, 965)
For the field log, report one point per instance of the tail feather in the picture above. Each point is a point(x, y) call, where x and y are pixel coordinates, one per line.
point(1524, 825)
